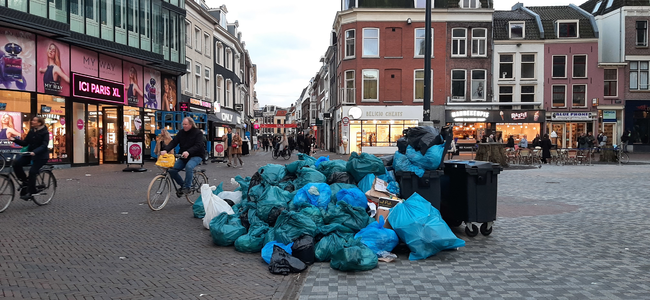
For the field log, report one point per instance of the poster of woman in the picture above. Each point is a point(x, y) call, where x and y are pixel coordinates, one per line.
point(18, 55)
point(10, 126)
point(169, 94)
point(53, 63)
point(133, 83)
point(152, 90)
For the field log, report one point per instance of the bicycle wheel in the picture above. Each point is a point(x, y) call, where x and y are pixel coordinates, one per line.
point(286, 155)
point(274, 154)
point(6, 192)
point(625, 158)
point(198, 180)
point(158, 193)
point(45, 188)
point(3, 162)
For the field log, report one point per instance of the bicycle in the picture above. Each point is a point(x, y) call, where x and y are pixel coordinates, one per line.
point(285, 153)
point(160, 188)
point(622, 155)
point(45, 186)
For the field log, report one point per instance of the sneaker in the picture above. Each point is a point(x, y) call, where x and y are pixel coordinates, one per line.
point(26, 197)
point(186, 191)
point(179, 193)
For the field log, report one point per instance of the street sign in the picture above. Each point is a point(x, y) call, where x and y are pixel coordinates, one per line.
point(346, 120)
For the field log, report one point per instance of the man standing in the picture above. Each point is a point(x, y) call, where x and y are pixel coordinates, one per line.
point(192, 151)
point(229, 146)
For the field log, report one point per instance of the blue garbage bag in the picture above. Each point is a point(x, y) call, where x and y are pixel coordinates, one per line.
point(366, 183)
point(364, 164)
point(336, 187)
point(317, 194)
point(226, 229)
point(321, 159)
point(330, 244)
point(354, 256)
point(197, 207)
point(332, 166)
point(353, 196)
point(402, 163)
point(291, 225)
point(308, 175)
point(272, 174)
point(378, 238)
point(421, 227)
point(393, 187)
point(267, 250)
point(430, 160)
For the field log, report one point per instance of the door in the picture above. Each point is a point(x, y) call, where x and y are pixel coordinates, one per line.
point(93, 126)
point(112, 134)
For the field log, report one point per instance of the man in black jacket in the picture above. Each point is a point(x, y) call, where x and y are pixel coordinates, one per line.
point(192, 151)
point(37, 153)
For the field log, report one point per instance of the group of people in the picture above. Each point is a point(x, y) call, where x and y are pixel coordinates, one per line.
point(302, 142)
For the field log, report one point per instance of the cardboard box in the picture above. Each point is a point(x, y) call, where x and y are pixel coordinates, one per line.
point(378, 190)
point(383, 211)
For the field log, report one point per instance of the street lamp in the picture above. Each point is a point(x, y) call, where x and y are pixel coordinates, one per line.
point(427, 64)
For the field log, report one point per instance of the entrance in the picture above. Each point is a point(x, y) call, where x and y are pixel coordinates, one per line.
point(96, 134)
point(111, 138)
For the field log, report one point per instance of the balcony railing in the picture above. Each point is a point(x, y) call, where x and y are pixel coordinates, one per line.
point(348, 96)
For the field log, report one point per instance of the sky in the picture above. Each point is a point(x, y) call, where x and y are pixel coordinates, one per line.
point(286, 40)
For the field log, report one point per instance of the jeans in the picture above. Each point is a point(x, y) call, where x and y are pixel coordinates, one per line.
point(189, 166)
point(33, 171)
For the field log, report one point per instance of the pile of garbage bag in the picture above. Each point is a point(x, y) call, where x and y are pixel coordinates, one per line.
point(422, 148)
point(312, 210)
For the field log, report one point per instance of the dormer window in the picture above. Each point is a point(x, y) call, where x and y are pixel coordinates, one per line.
point(517, 30)
point(567, 29)
point(469, 4)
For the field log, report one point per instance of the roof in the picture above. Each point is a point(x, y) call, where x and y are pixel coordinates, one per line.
point(602, 9)
point(551, 14)
point(281, 113)
point(501, 20)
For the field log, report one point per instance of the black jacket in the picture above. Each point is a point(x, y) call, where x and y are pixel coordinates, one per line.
point(36, 141)
point(190, 141)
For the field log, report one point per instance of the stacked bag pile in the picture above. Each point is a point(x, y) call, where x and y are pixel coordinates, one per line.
point(316, 210)
point(422, 148)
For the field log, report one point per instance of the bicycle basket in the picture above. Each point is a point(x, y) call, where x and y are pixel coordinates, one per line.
point(166, 161)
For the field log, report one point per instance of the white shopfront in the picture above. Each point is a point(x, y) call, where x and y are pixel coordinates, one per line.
point(374, 129)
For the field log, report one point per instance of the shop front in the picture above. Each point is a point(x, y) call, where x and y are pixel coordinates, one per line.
point(566, 127)
point(472, 126)
point(220, 122)
point(611, 123)
point(637, 121)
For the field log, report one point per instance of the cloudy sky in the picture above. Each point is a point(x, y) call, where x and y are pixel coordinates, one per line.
point(286, 40)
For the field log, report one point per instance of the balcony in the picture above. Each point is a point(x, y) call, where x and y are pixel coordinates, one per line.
point(348, 96)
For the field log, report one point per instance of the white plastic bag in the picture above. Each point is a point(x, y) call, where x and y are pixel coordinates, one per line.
point(232, 196)
point(213, 205)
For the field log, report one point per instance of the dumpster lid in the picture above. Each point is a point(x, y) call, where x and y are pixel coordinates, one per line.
point(467, 164)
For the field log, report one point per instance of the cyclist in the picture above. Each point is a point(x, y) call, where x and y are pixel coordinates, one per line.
point(192, 151)
point(36, 142)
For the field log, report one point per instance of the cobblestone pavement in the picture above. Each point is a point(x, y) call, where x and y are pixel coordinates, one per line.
point(570, 232)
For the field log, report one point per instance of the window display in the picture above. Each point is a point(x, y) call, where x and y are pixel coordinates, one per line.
point(52, 109)
point(377, 133)
point(14, 118)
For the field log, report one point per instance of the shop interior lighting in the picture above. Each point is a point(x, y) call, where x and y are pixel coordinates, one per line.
point(374, 121)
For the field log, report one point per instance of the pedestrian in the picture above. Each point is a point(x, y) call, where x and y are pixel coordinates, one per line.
point(511, 142)
point(236, 150)
point(583, 141)
point(229, 146)
point(37, 154)
point(537, 141)
point(301, 142)
point(490, 138)
point(499, 138)
point(162, 140)
point(205, 144)
point(625, 138)
point(265, 144)
point(523, 143)
point(591, 140)
point(452, 149)
point(546, 145)
point(602, 141)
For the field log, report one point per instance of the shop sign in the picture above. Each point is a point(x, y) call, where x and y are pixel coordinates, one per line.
point(278, 125)
point(45, 109)
point(80, 124)
point(571, 116)
point(609, 116)
point(133, 80)
point(495, 116)
point(62, 120)
point(84, 61)
point(19, 60)
point(470, 116)
point(183, 106)
point(198, 102)
point(53, 65)
point(219, 148)
point(97, 89)
point(257, 113)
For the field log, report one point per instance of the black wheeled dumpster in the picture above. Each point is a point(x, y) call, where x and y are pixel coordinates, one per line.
point(469, 194)
point(427, 186)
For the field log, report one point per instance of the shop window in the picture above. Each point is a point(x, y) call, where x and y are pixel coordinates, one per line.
point(349, 43)
point(528, 66)
point(579, 66)
point(505, 95)
point(527, 95)
point(517, 30)
point(370, 42)
point(458, 85)
point(478, 85)
point(611, 82)
point(14, 118)
point(579, 95)
point(52, 109)
point(149, 127)
point(567, 29)
point(506, 62)
point(479, 42)
point(458, 42)
point(559, 66)
point(419, 42)
point(370, 85)
point(641, 33)
point(559, 96)
point(639, 75)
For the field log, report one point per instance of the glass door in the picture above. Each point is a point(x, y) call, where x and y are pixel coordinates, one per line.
point(94, 118)
point(112, 138)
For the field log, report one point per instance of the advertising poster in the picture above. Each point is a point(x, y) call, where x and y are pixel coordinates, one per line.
point(169, 93)
point(135, 153)
point(110, 68)
point(84, 61)
point(53, 63)
point(152, 90)
point(18, 55)
point(219, 148)
point(11, 123)
point(133, 84)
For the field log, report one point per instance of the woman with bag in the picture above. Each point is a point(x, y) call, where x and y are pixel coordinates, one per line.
point(236, 150)
point(452, 149)
point(162, 140)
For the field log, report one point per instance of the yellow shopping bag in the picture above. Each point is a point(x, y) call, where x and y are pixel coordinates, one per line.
point(166, 161)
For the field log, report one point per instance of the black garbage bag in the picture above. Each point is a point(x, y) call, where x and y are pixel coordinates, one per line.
point(255, 180)
point(283, 263)
point(230, 202)
point(273, 215)
point(341, 177)
point(388, 160)
point(402, 144)
point(423, 137)
point(303, 249)
point(243, 217)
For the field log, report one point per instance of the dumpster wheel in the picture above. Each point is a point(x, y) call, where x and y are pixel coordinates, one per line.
point(471, 230)
point(486, 228)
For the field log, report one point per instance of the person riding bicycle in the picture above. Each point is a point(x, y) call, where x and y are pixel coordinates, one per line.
point(282, 145)
point(192, 150)
point(37, 153)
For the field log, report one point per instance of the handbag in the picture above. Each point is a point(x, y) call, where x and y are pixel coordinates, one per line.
point(234, 145)
point(166, 161)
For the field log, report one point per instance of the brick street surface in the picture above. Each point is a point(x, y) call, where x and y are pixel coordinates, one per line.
point(570, 232)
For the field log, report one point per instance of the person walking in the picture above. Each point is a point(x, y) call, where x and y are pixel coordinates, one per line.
point(229, 146)
point(546, 145)
point(452, 149)
point(511, 142)
point(236, 150)
point(523, 143)
point(205, 143)
point(192, 152)
point(537, 141)
point(37, 154)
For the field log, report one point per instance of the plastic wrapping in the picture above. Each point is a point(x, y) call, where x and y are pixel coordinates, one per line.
point(303, 249)
point(366, 183)
point(430, 160)
point(330, 244)
point(332, 166)
point(423, 137)
point(402, 163)
point(349, 216)
point(283, 263)
point(321, 159)
point(308, 175)
point(291, 225)
point(341, 177)
point(272, 174)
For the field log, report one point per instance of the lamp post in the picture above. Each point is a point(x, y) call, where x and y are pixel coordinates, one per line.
point(426, 110)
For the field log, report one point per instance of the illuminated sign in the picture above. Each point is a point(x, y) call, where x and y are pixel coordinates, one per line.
point(184, 106)
point(97, 89)
point(470, 116)
point(201, 103)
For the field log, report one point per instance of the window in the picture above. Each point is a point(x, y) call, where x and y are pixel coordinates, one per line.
point(609, 3)
point(458, 87)
point(517, 30)
point(478, 85)
point(349, 43)
point(349, 87)
point(228, 93)
point(206, 42)
point(567, 29)
point(459, 42)
point(642, 33)
point(505, 95)
point(419, 42)
point(197, 39)
point(611, 82)
point(188, 29)
point(479, 41)
point(470, 4)
point(188, 75)
point(559, 66)
point(370, 85)
point(527, 66)
point(579, 94)
point(559, 96)
point(596, 7)
point(639, 75)
point(228, 61)
point(218, 96)
point(527, 95)
point(219, 56)
point(506, 62)
point(418, 88)
point(208, 87)
point(197, 75)
point(370, 42)
point(579, 66)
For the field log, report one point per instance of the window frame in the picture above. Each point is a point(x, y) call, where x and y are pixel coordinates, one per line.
point(479, 39)
point(207, 77)
point(523, 30)
point(476, 4)
point(573, 72)
point(511, 94)
point(638, 72)
point(197, 37)
point(347, 80)
point(605, 81)
point(219, 53)
point(644, 44)
point(415, 42)
point(464, 85)
point(553, 66)
point(521, 93)
point(573, 94)
point(363, 47)
point(198, 68)
point(553, 95)
point(345, 43)
point(484, 80)
point(363, 86)
point(218, 93)
point(559, 23)
point(188, 74)
point(455, 40)
point(512, 64)
point(415, 85)
point(188, 36)
point(521, 65)
point(206, 41)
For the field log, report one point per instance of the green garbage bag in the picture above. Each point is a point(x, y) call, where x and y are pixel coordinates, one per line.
point(305, 157)
point(330, 244)
point(272, 174)
point(333, 228)
point(291, 225)
point(255, 193)
point(253, 241)
point(308, 175)
point(243, 186)
point(198, 208)
point(361, 165)
point(314, 213)
point(299, 164)
point(336, 187)
point(225, 229)
point(349, 216)
point(330, 166)
point(273, 197)
point(354, 256)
